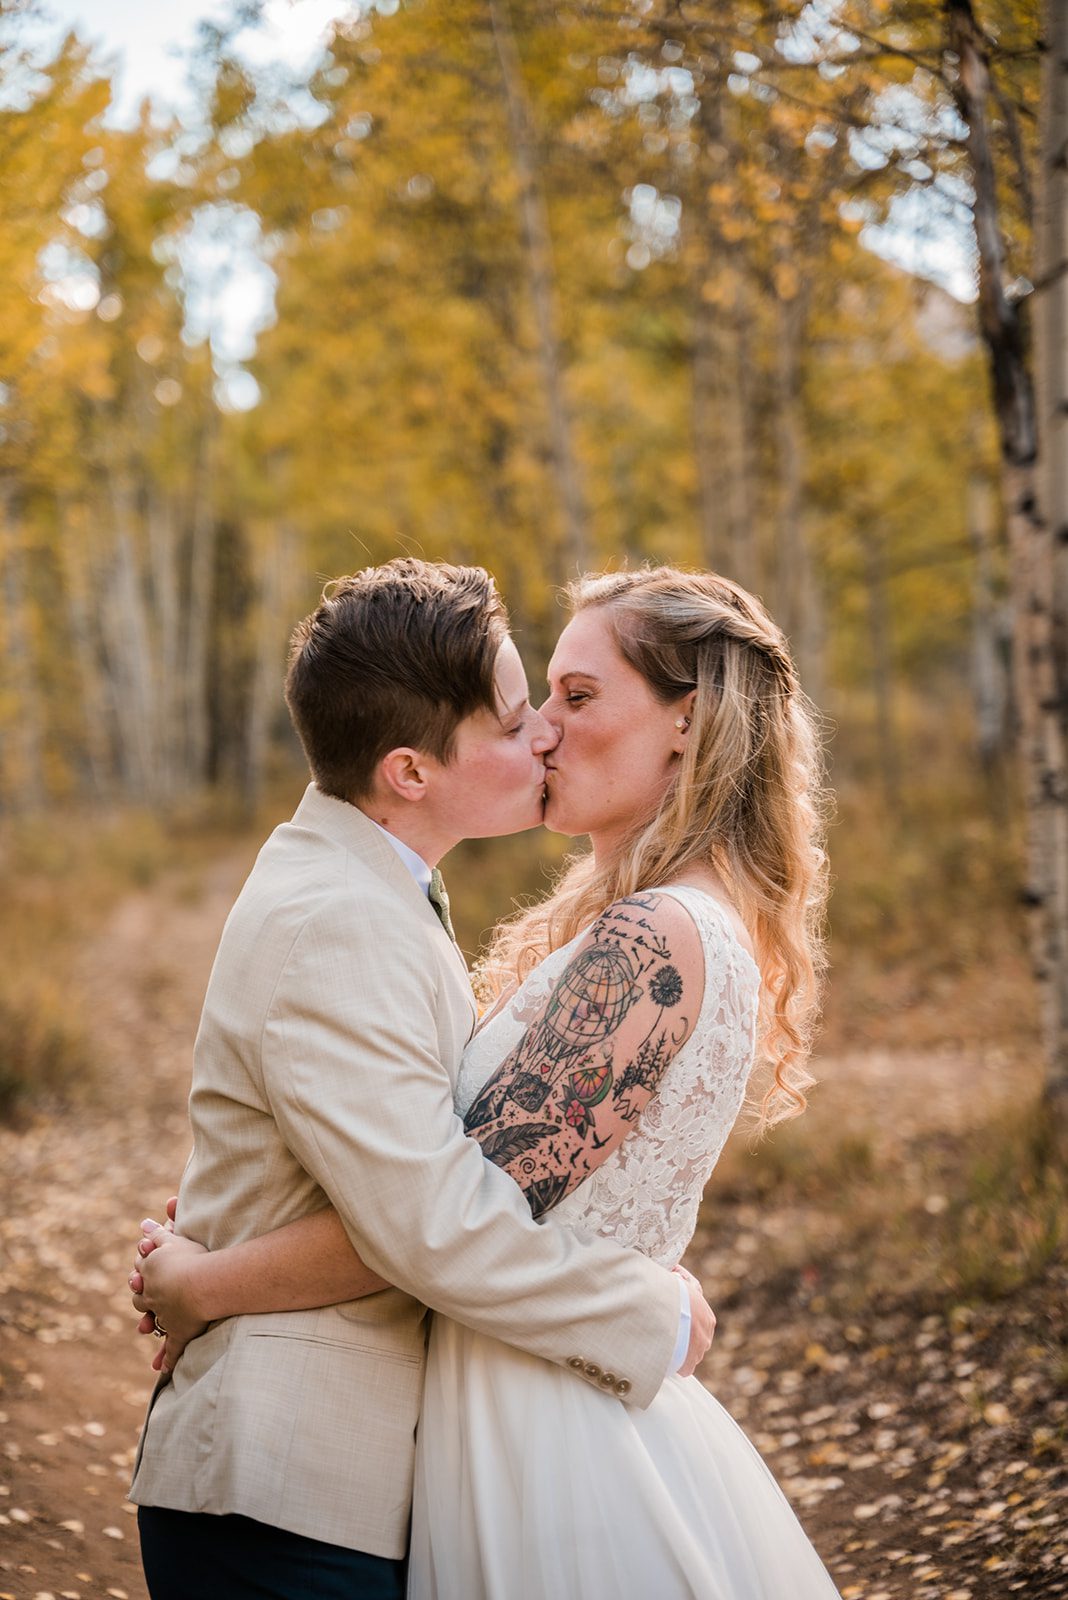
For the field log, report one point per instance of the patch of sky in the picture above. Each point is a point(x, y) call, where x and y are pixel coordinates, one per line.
point(221, 263)
point(654, 221)
point(928, 233)
point(815, 32)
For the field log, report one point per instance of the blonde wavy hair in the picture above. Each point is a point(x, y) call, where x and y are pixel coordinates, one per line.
point(747, 800)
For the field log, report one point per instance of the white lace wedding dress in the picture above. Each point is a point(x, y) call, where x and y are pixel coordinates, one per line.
point(533, 1485)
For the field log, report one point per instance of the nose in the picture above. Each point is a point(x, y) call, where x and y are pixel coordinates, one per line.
point(546, 737)
point(550, 713)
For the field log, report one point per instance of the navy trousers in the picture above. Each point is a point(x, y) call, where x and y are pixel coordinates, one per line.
point(190, 1555)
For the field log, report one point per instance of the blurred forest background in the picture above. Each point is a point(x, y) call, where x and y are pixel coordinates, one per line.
point(555, 287)
point(771, 288)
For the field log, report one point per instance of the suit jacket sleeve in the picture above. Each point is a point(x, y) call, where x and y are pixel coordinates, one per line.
point(351, 1065)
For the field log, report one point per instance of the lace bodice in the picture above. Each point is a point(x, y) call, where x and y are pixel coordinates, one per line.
point(647, 1193)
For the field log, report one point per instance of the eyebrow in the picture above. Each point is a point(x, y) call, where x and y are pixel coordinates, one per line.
point(576, 672)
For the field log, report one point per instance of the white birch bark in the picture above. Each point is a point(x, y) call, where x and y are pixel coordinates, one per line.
point(197, 622)
point(274, 617)
point(799, 600)
point(127, 637)
point(705, 397)
point(166, 665)
point(541, 279)
point(1051, 348)
point(1036, 694)
point(79, 559)
point(989, 686)
point(22, 784)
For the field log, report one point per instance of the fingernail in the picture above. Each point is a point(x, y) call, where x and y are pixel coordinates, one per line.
point(148, 1226)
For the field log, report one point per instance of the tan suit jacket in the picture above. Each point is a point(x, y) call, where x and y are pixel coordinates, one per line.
point(332, 1030)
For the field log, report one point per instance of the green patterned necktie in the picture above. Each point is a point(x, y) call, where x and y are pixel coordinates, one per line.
point(440, 901)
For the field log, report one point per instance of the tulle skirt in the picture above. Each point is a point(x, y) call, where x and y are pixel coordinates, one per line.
point(533, 1485)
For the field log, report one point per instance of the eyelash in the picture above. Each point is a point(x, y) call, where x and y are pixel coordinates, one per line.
point(576, 697)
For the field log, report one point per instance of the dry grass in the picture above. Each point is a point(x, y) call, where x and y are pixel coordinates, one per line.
point(949, 1218)
point(60, 876)
point(927, 932)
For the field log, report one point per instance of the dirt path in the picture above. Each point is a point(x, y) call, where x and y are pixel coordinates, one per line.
point(75, 1375)
point(831, 1416)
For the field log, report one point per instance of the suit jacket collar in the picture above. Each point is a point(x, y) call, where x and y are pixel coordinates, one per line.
point(346, 825)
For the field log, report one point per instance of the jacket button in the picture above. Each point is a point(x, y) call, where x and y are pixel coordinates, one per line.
point(607, 1380)
point(592, 1370)
point(576, 1363)
point(622, 1387)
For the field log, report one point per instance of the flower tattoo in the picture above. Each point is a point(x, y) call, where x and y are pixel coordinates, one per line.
point(665, 987)
point(576, 1114)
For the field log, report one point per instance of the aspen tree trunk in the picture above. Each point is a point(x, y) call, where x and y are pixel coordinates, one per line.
point(882, 668)
point(1041, 731)
point(738, 449)
point(989, 689)
point(276, 585)
point(799, 603)
point(1051, 315)
point(720, 395)
point(1051, 346)
point(197, 630)
point(81, 591)
point(541, 279)
point(127, 635)
point(21, 751)
point(704, 381)
point(163, 566)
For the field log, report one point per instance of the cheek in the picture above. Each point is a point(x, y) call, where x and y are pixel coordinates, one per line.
point(498, 774)
point(621, 765)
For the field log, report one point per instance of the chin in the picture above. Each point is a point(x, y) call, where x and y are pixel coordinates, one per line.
point(519, 822)
point(557, 821)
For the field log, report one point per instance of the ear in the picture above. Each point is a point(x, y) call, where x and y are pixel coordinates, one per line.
point(683, 712)
point(403, 772)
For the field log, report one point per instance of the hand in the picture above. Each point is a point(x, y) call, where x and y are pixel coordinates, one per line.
point(136, 1282)
point(164, 1286)
point(150, 1237)
point(146, 1243)
point(702, 1325)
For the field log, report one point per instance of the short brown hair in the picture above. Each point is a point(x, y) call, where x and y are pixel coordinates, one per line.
point(393, 655)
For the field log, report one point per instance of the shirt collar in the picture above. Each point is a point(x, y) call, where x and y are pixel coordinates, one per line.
point(413, 861)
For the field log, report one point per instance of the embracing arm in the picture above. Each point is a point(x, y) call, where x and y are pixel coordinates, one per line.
point(553, 1112)
point(304, 1264)
point(319, 1268)
point(308, 1263)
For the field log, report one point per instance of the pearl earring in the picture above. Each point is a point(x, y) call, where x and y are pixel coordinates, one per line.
point(682, 722)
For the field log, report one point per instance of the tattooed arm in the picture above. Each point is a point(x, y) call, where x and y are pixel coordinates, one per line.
point(588, 1064)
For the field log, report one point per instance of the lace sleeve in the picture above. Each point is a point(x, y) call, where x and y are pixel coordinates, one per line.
point(647, 1194)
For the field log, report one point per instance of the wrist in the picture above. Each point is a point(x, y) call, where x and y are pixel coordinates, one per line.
point(682, 1337)
point(200, 1291)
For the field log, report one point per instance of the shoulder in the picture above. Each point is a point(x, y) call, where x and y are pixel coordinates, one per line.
point(330, 911)
point(654, 927)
